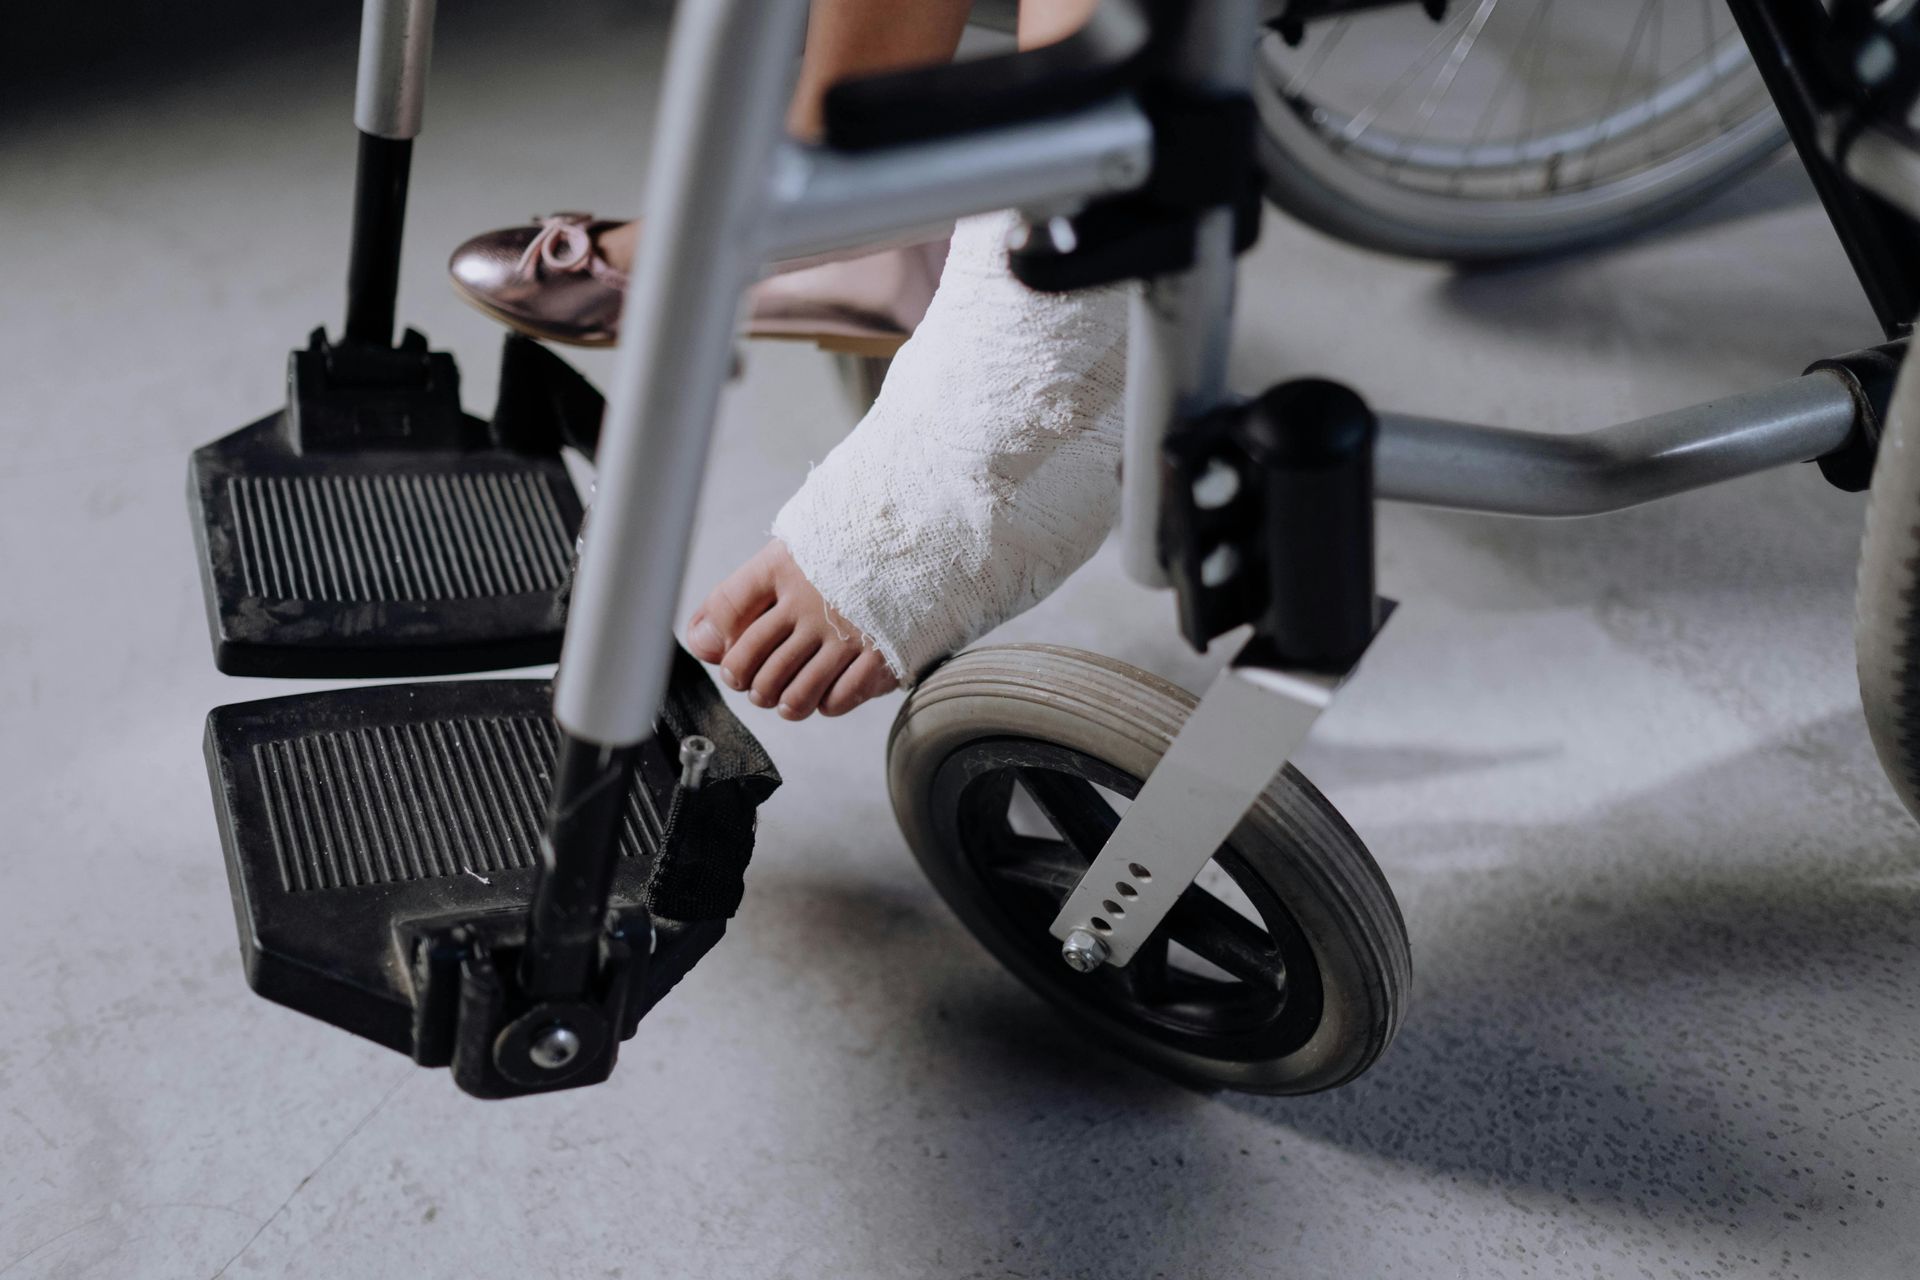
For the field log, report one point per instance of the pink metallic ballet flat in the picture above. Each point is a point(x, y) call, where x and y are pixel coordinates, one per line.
point(549, 280)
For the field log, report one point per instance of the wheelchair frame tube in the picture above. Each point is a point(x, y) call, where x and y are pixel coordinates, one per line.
point(1497, 471)
point(730, 70)
point(390, 92)
point(826, 200)
point(1180, 327)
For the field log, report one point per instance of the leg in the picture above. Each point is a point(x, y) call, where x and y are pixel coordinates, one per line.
point(1050, 21)
point(848, 38)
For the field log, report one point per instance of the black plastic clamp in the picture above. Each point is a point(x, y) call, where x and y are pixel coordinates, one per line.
point(1869, 376)
point(1203, 158)
point(1268, 519)
point(350, 396)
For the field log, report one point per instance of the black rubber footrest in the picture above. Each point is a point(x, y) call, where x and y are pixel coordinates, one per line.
point(353, 820)
point(371, 528)
point(381, 563)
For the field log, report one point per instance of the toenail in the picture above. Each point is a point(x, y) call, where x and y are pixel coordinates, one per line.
point(706, 636)
point(759, 699)
point(733, 681)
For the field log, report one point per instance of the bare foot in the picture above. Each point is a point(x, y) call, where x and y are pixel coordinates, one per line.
point(771, 635)
point(617, 244)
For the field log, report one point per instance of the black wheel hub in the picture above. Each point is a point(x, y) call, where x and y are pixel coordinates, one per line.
point(1255, 993)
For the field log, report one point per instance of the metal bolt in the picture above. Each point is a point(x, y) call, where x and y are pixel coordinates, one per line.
point(1219, 566)
point(554, 1048)
point(1083, 952)
point(696, 753)
point(1218, 485)
point(1061, 235)
point(1876, 61)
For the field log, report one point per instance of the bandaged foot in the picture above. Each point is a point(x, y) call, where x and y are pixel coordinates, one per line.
point(986, 473)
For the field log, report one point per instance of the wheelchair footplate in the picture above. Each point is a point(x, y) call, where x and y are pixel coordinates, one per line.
point(383, 846)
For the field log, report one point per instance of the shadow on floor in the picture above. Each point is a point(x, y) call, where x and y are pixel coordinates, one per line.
point(1618, 1025)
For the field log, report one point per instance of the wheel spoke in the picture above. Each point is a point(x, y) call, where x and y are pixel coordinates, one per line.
point(1049, 865)
point(1364, 118)
point(1622, 73)
point(1443, 82)
point(1328, 44)
point(1074, 807)
point(1714, 107)
point(1223, 937)
point(1524, 51)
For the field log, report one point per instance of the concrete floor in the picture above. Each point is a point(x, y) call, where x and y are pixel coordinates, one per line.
point(1663, 905)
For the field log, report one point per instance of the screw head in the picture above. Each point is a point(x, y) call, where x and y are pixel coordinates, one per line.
point(1215, 487)
point(1876, 61)
point(554, 1048)
point(1083, 952)
point(696, 753)
point(1219, 566)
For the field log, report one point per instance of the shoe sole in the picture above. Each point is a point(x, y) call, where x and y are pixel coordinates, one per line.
point(880, 344)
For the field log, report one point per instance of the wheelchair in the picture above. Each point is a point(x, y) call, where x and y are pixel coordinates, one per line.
point(502, 877)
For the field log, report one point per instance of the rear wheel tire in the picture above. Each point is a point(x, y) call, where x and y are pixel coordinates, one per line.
point(1887, 617)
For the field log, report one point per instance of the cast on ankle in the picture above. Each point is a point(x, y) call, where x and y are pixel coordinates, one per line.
point(985, 473)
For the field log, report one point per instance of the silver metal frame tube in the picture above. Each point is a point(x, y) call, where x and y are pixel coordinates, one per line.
point(396, 40)
point(730, 71)
point(826, 200)
point(1179, 329)
point(1498, 471)
point(1181, 326)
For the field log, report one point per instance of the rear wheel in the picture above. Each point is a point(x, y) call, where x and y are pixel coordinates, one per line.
point(1284, 969)
point(1509, 128)
point(1887, 621)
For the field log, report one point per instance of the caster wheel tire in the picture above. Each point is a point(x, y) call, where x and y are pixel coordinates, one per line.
point(1284, 969)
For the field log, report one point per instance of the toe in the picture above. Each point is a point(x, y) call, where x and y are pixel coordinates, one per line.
point(868, 677)
point(778, 671)
point(724, 617)
point(804, 691)
point(745, 656)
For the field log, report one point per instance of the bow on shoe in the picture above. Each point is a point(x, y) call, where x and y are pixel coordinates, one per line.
point(563, 243)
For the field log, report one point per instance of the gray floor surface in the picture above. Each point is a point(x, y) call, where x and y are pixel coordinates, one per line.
point(1663, 905)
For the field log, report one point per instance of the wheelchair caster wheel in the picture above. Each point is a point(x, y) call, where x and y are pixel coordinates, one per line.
point(1283, 969)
